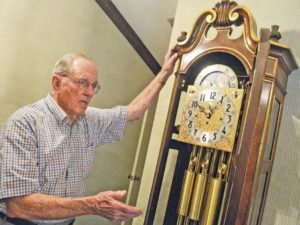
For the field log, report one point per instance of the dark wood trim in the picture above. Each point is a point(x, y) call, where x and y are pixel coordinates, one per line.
point(116, 17)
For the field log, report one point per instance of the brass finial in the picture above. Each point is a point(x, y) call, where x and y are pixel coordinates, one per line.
point(182, 37)
point(275, 34)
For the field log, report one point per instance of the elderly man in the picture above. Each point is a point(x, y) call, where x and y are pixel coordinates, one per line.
point(46, 149)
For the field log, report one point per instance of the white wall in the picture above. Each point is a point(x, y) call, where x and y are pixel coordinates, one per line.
point(35, 34)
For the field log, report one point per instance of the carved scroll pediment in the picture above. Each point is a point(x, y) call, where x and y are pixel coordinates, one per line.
point(223, 16)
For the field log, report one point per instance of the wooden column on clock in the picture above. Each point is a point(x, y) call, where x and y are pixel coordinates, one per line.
point(259, 67)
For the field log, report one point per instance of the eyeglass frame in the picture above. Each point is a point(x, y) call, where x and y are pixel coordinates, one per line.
point(83, 83)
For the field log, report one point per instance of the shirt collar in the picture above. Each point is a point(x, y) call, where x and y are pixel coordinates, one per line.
point(58, 112)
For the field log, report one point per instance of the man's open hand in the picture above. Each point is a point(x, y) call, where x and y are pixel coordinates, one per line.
point(107, 204)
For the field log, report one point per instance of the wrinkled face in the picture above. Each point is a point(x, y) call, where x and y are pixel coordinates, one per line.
point(72, 98)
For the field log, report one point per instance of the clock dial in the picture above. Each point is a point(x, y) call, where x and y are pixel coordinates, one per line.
point(210, 116)
point(217, 75)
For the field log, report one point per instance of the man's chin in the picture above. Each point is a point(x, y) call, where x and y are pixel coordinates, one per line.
point(82, 112)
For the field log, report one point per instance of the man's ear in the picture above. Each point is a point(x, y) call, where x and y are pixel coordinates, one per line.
point(56, 82)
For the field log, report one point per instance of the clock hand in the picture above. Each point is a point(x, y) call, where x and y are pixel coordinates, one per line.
point(203, 109)
point(209, 115)
point(206, 109)
point(216, 105)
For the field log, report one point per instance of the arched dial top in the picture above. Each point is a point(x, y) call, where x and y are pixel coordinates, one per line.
point(210, 116)
point(217, 75)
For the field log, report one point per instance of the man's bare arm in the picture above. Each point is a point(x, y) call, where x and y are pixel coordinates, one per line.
point(40, 206)
point(141, 103)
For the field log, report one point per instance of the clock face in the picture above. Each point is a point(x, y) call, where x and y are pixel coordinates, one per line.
point(210, 116)
point(217, 75)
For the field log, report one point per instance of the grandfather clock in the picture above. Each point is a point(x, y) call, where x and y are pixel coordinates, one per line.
point(223, 121)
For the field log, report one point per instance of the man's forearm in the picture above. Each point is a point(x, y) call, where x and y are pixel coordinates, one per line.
point(142, 102)
point(40, 206)
point(47, 207)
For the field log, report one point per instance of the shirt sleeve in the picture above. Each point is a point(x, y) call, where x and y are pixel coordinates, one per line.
point(18, 158)
point(106, 125)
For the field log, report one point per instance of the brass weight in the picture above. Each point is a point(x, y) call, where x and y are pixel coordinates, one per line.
point(197, 199)
point(187, 187)
point(215, 187)
point(199, 189)
point(212, 201)
point(186, 192)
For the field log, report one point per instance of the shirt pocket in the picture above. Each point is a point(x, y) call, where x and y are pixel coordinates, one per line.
point(85, 163)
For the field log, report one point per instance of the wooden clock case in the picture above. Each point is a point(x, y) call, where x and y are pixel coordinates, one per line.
point(262, 65)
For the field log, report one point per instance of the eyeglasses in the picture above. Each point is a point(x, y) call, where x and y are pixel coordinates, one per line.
point(84, 84)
